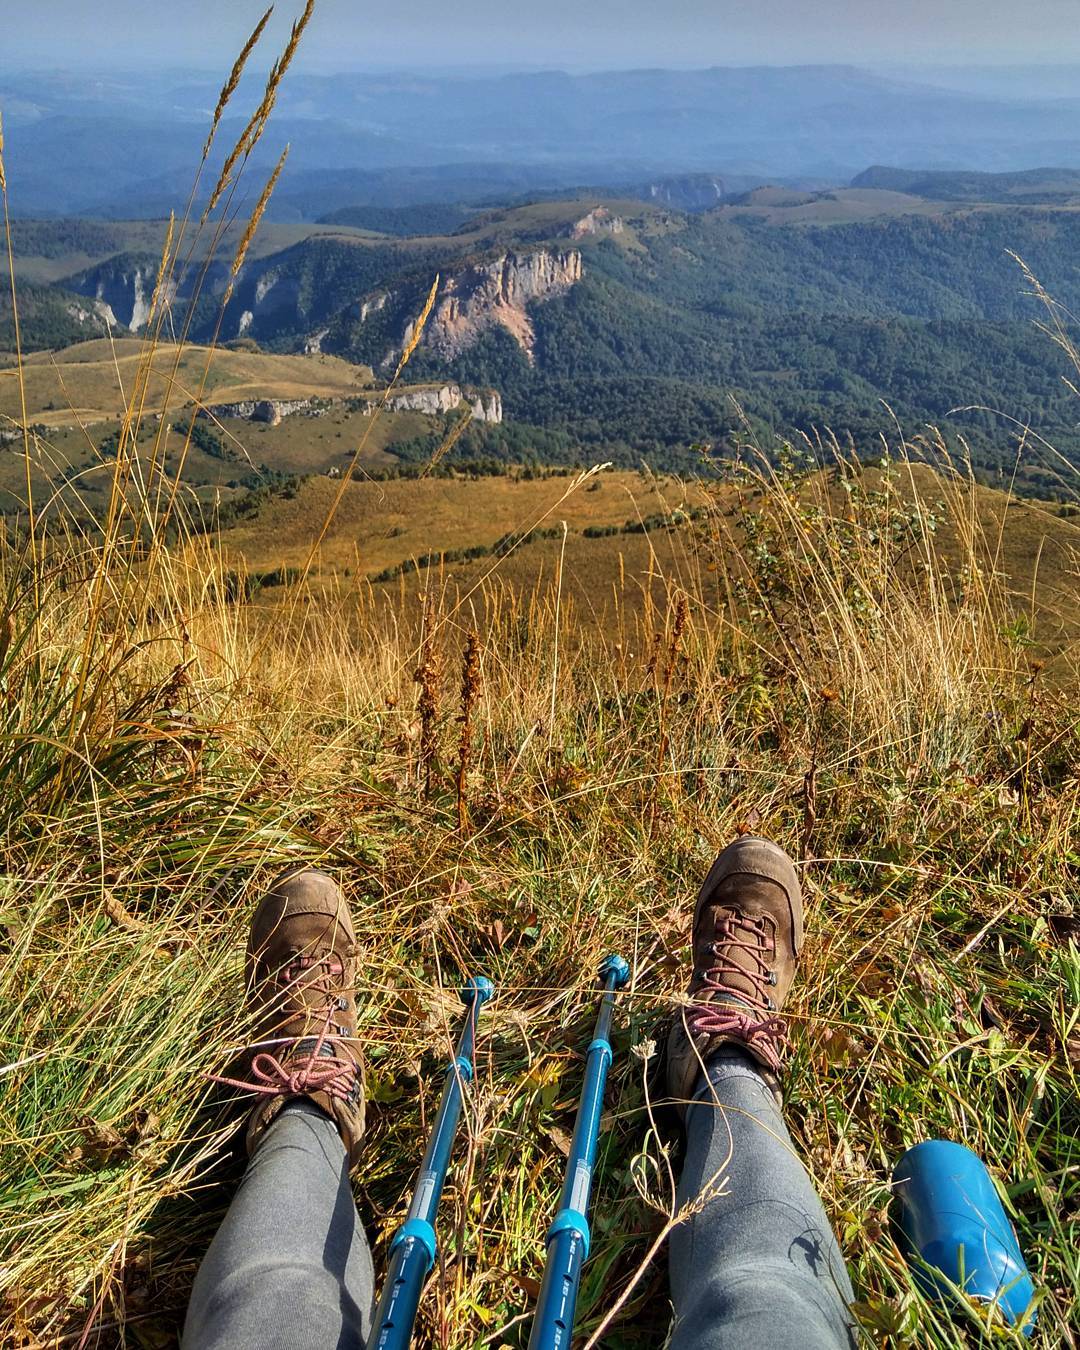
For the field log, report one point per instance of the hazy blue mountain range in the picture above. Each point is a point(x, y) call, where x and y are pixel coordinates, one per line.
point(124, 145)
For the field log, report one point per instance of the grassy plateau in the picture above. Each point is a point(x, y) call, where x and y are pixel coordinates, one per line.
point(861, 663)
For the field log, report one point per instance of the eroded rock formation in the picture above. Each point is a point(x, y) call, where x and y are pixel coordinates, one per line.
point(486, 404)
point(597, 221)
point(270, 410)
point(479, 297)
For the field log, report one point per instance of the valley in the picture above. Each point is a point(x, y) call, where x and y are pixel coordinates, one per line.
point(620, 329)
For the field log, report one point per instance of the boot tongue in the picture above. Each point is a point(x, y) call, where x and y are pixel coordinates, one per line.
point(738, 968)
point(310, 1046)
point(727, 1000)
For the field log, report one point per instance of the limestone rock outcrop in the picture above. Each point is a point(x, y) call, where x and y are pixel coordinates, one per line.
point(478, 297)
point(269, 410)
point(687, 192)
point(597, 221)
point(98, 316)
point(432, 399)
point(121, 289)
point(486, 404)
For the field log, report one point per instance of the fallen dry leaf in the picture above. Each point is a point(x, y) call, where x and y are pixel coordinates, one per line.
point(100, 1144)
point(525, 1283)
point(750, 822)
point(837, 1044)
point(119, 915)
point(146, 1126)
point(560, 1139)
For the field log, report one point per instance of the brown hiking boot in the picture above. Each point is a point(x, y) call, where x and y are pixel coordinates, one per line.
point(301, 976)
point(746, 940)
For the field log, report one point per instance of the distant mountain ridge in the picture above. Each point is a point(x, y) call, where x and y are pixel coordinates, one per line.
point(117, 148)
point(1023, 187)
point(630, 329)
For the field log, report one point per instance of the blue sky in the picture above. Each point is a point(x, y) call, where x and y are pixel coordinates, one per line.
point(571, 34)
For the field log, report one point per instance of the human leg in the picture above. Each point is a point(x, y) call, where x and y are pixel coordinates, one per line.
point(754, 1261)
point(290, 1265)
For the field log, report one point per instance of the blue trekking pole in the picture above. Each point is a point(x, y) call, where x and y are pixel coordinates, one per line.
point(413, 1247)
point(568, 1236)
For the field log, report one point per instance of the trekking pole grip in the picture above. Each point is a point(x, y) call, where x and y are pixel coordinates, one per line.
point(569, 1236)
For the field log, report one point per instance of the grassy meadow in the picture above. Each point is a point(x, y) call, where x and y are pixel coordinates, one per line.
point(629, 536)
point(874, 667)
point(165, 751)
point(88, 382)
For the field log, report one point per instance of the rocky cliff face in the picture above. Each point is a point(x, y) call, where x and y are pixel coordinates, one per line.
point(431, 399)
point(597, 221)
point(275, 293)
point(97, 316)
point(121, 289)
point(486, 404)
point(476, 298)
point(270, 410)
point(687, 192)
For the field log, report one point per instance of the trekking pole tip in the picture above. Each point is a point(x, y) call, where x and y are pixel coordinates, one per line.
point(477, 990)
point(615, 969)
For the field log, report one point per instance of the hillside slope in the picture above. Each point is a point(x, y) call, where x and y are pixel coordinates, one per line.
point(620, 520)
point(810, 323)
point(887, 725)
point(1033, 186)
point(90, 380)
point(632, 329)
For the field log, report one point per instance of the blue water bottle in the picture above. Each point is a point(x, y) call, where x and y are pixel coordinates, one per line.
point(954, 1231)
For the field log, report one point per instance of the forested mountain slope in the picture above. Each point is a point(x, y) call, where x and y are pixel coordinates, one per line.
point(635, 329)
point(675, 316)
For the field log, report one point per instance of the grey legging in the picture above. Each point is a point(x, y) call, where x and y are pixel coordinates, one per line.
point(289, 1268)
point(754, 1265)
point(755, 1262)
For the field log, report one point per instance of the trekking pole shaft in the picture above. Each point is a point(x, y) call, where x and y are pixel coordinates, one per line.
point(413, 1247)
point(568, 1237)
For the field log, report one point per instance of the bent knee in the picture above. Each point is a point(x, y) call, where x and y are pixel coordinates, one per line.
point(763, 1305)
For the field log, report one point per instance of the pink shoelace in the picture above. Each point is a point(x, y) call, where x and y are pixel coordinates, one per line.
point(320, 1066)
point(712, 1017)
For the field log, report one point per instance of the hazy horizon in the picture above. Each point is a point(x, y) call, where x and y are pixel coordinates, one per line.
point(110, 107)
point(486, 35)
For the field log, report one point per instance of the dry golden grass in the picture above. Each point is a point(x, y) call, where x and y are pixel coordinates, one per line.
point(380, 523)
point(85, 383)
point(608, 585)
point(930, 797)
point(815, 667)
